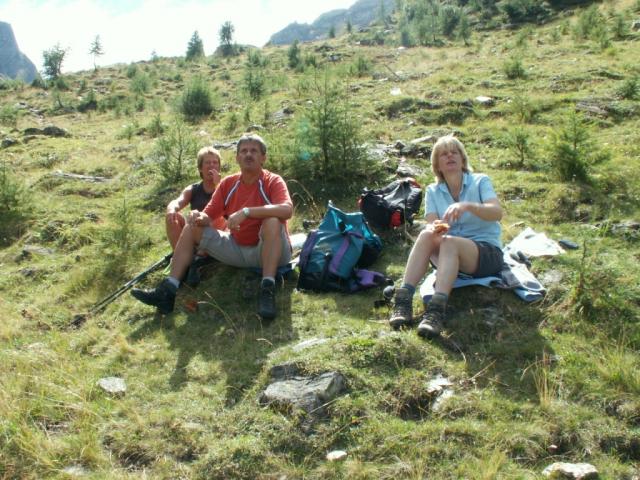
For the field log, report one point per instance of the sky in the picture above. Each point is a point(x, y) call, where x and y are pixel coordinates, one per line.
point(130, 30)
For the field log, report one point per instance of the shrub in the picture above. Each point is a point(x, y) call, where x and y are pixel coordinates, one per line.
point(513, 68)
point(518, 140)
point(255, 58)
point(15, 205)
point(132, 69)
point(140, 83)
point(254, 83)
point(361, 66)
point(589, 22)
point(574, 151)
point(520, 11)
point(449, 19)
point(406, 39)
point(630, 89)
point(327, 146)
point(196, 100)
point(9, 115)
point(174, 151)
point(88, 102)
point(620, 28)
point(293, 54)
point(156, 127)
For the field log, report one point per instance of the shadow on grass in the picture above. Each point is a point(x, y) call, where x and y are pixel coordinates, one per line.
point(499, 336)
point(222, 326)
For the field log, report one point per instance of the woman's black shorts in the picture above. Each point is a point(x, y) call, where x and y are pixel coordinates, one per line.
point(489, 260)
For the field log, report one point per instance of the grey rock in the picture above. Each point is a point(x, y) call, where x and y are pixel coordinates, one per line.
point(13, 63)
point(9, 142)
point(282, 115)
point(115, 386)
point(577, 471)
point(53, 131)
point(551, 278)
point(75, 471)
point(485, 101)
point(30, 249)
point(225, 145)
point(284, 371)
point(309, 394)
point(312, 342)
point(336, 455)
point(406, 170)
point(426, 139)
point(635, 25)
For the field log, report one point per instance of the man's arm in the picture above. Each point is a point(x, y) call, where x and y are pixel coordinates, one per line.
point(179, 203)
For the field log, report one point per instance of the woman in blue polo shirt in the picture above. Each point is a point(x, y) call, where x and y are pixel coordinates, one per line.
point(463, 235)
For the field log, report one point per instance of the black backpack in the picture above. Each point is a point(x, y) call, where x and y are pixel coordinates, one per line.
point(393, 205)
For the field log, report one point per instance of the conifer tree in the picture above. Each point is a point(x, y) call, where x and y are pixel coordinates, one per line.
point(195, 48)
point(96, 50)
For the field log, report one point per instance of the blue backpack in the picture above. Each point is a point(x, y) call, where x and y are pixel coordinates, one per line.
point(332, 255)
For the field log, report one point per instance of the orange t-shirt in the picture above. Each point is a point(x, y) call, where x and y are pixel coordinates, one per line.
point(238, 195)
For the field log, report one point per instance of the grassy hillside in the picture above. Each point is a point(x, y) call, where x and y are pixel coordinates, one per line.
point(534, 384)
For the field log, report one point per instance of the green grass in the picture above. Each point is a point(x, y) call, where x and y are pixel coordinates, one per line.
point(533, 384)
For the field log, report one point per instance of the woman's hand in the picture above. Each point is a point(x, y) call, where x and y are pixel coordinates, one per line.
point(438, 227)
point(455, 211)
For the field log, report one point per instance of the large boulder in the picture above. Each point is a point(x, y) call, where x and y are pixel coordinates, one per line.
point(13, 63)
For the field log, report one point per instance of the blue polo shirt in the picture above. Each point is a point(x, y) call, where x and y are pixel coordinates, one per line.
point(476, 187)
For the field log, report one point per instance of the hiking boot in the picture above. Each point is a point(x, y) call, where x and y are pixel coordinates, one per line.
point(163, 296)
point(193, 274)
point(432, 321)
point(267, 301)
point(402, 315)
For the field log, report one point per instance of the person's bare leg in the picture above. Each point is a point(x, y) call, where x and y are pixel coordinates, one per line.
point(426, 245)
point(456, 254)
point(183, 253)
point(174, 228)
point(271, 246)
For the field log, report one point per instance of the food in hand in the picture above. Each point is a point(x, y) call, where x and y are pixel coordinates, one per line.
point(440, 228)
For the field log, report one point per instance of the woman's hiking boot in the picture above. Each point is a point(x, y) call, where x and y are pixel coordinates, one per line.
point(432, 321)
point(402, 315)
point(267, 300)
point(163, 296)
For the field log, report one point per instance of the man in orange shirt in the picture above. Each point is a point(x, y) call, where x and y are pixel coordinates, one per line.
point(256, 204)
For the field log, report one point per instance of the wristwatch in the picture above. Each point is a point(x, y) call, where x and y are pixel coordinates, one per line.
point(245, 211)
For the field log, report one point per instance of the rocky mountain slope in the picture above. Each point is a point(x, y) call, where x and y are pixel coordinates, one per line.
point(360, 14)
point(14, 63)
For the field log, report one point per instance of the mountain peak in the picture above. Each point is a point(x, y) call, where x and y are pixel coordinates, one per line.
point(360, 14)
point(14, 63)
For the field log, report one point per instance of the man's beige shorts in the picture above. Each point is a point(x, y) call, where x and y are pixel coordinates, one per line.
point(221, 246)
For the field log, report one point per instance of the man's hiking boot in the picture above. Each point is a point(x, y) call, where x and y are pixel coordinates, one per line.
point(432, 321)
point(267, 301)
point(193, 274)
point(163, 296)
point(402, 315)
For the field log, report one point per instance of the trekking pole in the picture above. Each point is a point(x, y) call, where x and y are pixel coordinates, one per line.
point(102, 304)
